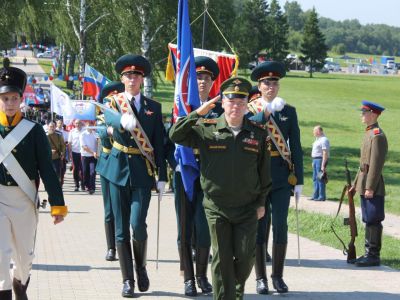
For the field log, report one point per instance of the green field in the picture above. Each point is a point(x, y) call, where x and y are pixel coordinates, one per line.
point(332, 100)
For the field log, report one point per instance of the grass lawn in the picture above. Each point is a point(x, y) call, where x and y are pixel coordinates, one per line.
point(332, 100)
point(317, 227)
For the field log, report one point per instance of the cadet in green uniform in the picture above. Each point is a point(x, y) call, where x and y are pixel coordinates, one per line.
point(235, 178)
point(192, 214)
point(106, 143)
point(286, 161)
point(369, 183)
point(25, 157)
point(131, 166)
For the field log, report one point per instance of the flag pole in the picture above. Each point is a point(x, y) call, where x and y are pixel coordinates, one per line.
point(204, 23)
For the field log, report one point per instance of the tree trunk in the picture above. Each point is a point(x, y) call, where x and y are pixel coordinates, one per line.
point(144, 17)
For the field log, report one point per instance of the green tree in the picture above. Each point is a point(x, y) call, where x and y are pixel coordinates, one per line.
point(339, 49)
point(294, 15)
point(251, 33)
point(278, 33)
point(313, 47)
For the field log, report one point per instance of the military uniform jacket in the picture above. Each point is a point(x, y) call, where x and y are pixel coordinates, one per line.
point(235, 171)
point(34, 155)
point(56, 141)
point(120, 166)
point(286, 120)
point(374, 149)
point(105, 141)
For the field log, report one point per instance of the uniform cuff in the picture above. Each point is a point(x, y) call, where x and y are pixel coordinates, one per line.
point(59, 211)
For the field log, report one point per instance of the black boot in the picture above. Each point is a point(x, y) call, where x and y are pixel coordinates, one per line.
point(140, 253)
point(20, 289)
point(202, 257)
point(6, 295)
point(188, 271)
point(110, 238)
point(267, 256)
point(261, 270)
point(126, 264)
point(373, 244)
point(278, 262)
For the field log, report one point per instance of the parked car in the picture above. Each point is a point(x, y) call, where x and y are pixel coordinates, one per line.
point(46, 54)
point(333, 67)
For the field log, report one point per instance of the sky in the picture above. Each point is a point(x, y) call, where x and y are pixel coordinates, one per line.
point(366, 11)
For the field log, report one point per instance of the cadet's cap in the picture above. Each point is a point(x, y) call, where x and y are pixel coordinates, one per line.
point(206, 65)
point(236, 87)
point(371, 106)
point(272, 70)
point(130, 63)
point(111, 88)
point(12, 80)
point(254, 93)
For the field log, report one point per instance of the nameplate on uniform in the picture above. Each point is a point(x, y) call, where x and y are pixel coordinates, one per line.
point(251, 149)
point(208, 121)
point(217, 147)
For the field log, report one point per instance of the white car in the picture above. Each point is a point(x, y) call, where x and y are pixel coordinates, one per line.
point(46, 54)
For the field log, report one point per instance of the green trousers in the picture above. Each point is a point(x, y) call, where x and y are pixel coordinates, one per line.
point(233, 240)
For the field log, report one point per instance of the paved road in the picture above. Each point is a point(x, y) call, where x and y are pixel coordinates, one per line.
point(70, 263)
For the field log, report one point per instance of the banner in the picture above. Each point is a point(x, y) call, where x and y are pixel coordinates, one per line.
point(93, 82)
point(186, 95)
point(227, 63)
point(60, 103)
point(83, 110)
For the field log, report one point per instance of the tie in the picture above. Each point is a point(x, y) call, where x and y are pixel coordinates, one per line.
point(134, 106)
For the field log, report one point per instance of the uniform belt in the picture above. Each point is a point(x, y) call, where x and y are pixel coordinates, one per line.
point(106, 150)
point(125, 149)
point(275, 153)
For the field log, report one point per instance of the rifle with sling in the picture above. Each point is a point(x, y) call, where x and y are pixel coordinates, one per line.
point(350, 250)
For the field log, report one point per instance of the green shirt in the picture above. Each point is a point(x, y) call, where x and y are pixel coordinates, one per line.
point(235, 171)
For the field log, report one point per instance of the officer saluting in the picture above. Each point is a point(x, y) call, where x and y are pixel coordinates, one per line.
point(25, 155)
point(137, 153)
point(286, 169)
point(369, 183)
point(235, 178)
point(110, 89)
point(191, 213)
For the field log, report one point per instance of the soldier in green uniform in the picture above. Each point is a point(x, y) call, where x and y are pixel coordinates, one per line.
point(110, 89)
point(25, 157)
point(137, 153)
point(287, 166)
point(369, 183)
point(190, 213)
point(235, 178)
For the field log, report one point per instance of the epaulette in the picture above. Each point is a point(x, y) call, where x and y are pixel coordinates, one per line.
point(376, 131)
point(208, 121)
point(256, 124)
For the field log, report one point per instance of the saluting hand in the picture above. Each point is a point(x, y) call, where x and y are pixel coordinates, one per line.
point(207, 106)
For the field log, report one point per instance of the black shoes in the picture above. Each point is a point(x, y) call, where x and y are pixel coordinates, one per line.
point(262, 286)
point(279, 285)
point(368, 261)
point(142, 279)
point(128, 289)
point(204, 285)
point(110, 256)
point(20, 289)
point(6, 295)
point(91, 192)
point(190, 288)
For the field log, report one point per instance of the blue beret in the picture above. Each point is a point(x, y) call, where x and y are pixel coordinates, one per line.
point(206, 65)
point(113, 87)
point(133, 64)
point(12, 80)
point(371, 106)
point(268, 70)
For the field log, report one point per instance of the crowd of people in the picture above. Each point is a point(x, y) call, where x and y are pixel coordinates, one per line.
point(249, 155)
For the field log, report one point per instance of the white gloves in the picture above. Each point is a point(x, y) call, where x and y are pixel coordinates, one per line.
point(161, 186)
point(298, 189)
point(276, 105)
point(128, 121)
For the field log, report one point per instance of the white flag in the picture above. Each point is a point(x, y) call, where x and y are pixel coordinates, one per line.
point(60, 102)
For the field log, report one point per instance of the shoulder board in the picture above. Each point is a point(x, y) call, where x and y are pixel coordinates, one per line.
point(208, 121)
point(256, 124)
point(376, 131)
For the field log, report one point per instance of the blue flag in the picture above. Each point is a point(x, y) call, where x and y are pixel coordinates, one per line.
point(186, 95)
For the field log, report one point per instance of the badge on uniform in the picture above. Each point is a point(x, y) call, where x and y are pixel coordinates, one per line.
point(250, 141)
point(148, 112)
point(282, 118)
